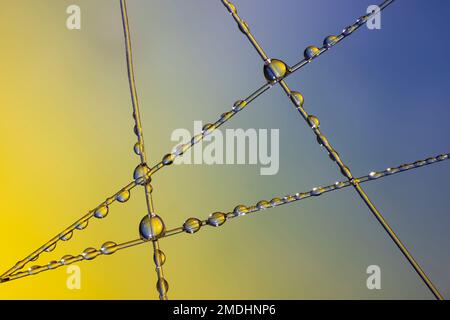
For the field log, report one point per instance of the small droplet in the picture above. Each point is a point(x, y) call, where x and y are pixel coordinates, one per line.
point(90, 253)
point(297, 98)
point(362, 20)
point(240, 210)
point(162, 286)
point(231, 7)
point(82, 224)
point(136, 131)
point(313, 121)
point(330, 41)
point(339, 184)
point(374, 175)
point(67, 259)
point(349, 30)
point(123, 196)
point(207, 129)
point(275, 70)
point(239, 105)
point(431, 160)
point(226, 115)
point(392, 170)
point(141, 174)
point(53, 264)
point(159, 257)
point(263, 204)
point(35, 258)
point(317, 191)
point(197, 138)
point(192, 225)
point(152, 228)
point(168, 159)
point(109, 247)
point(311, 52)
point(276, 202)
point(101, 212)
point(244, 27)
point(420, 163)
point(66, 236)
point(137, 148)
point(217, 219)
point(442, 157)
point(50, 247)
point(36, 269)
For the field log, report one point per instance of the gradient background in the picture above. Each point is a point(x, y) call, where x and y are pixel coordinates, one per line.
point(66, 144)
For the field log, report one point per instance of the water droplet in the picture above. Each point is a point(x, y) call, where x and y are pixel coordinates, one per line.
point(406, 166)
point(240, 210)
point(35, 258)
point(362, 20)
point(313, 121)
point(50, 247)
point(226, 115)
point(375, 175)
point(276, 202)
point(239, 105)
point(137, 148)
point(152, 228)
point(123, 196)
point(392, 170)
point(231, 7)
point(333, 155)
point(317, 191)
point(297, 98)
point(162, 286)
point(330, 41)
point(197, 138)
point(244, 27)
point(420, 163)
point(431, 160)
point(101, 212)
point(53, 264)
point(208, 128)
point(82, 224)
point(140, 174)
point(36, 269)
point(159, 257)
point(109, 247)
point(66, 236)
point(168, 159)
point(67, 259)
point(90, 253)
point(136, 131)
point(349, 30)
point(275, 70)
point(442, 157)
point(311, 52)
point(217, 219)
point(339, 184)
point(263, 204)
point(192, 225)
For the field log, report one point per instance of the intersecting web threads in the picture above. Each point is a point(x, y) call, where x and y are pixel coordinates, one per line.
point(152, 227)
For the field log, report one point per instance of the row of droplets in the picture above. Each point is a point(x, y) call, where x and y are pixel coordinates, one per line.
point(217, 219)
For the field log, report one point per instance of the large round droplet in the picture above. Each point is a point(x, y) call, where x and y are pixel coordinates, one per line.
point(162, 286)
point(66, 236)
point(275, 70)
point(192, 225)
point(217, 219)
point(109, 247)
point(297, 98)
point(152, 228)
point(101, 212)
point(311, 52)
point(240, 210)
point(140, 174)
point(159, 257)
point(123, 196)
point(90, 253)
point(313, 121)
point(330, 41)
